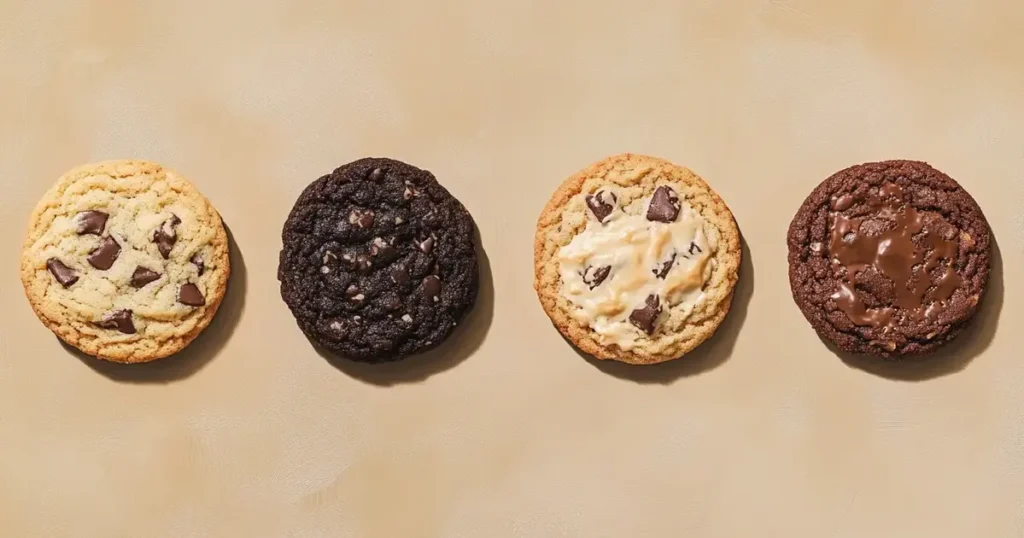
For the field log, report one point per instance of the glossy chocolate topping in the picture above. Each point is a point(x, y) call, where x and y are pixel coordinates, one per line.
point(899, 243)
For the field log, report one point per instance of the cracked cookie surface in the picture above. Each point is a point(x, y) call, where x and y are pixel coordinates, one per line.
point(378, 261)
point(636, 259)
point(889, 258)
point(125, 260)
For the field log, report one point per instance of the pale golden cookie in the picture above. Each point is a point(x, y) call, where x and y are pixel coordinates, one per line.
point(125, 260)
point(636, 259)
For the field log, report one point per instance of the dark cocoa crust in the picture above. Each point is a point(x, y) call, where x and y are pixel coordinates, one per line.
point(319, 222)
point(814, 280)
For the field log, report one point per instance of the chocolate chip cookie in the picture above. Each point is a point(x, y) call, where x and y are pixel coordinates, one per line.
point(889, 259)
point(125, 260)
point(379, 261)
point(636, 259)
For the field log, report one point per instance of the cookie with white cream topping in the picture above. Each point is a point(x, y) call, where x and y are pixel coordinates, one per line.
point(636, 259)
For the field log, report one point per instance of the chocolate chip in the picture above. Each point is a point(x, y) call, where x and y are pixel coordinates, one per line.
point(354, 295)
point(143, 276)
point(334, 328)
point(432, 287)
point(594, 276)
point(400, 275)
point(197, 260)
point(377, 174)
point(190, 295)
point(165, 236)
point(662, 272)
point(600, 206)
point(363, 262)
point(120, 321)
point(646, 318)
point(410, 191)
point(694, 246)
point(104, 256)
point(381, 250)
point(361, 218)
point(426, 245)
point(664, 205)
point(91, 222)
point(65, 275)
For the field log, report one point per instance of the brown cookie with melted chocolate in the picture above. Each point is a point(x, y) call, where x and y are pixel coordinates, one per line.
point(889, 259)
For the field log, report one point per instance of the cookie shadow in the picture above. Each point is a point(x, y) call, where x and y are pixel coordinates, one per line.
point(200, 352)
point(954, 356)
point(708, 356)
point(459, 346)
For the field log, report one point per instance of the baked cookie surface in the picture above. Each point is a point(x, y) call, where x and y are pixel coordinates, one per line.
point(636, 259)
point(378, 261)
point(125, 260)
point(889, 258)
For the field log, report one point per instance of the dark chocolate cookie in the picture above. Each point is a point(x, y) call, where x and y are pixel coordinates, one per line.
point(889, 259)
point(379, 261)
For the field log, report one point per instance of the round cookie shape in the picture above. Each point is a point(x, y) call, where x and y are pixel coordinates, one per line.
point(889, 259)
point(636, 260)
point(125, 260)
point(379, 261)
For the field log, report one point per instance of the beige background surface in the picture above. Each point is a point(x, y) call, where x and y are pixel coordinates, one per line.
point(507, 432)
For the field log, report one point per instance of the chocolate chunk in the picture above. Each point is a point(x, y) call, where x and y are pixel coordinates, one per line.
point(595, 276)
point(143, 276)
point(65, 275)
point(646, 318)
point(432, 286)
point(662, 271)
point(361, 218)
point(664, 205)
point(602, 204)
point(377, 174)
point(400, 275)
point(334, 328)
point(426, 245)
point(197, 260)
point(410, 191)
point(119, 321)
point(190, 295)
point(165, 236)
point(91, 222)
point(354, 294)
point(381, 250)
point(104, 256)
point(363, 262)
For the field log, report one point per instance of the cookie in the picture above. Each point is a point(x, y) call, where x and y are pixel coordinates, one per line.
point(379, 261)
point(889, 259)
point(636, 259)
point(125, 260)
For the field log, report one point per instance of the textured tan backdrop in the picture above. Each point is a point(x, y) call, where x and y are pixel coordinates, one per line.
point(507, 432)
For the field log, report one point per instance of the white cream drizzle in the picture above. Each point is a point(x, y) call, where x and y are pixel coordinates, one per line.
point(634, 248)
